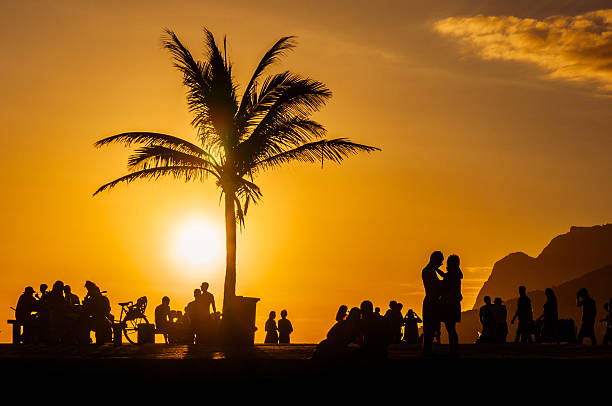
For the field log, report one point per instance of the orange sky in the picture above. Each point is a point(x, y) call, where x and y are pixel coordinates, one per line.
point(495, 134)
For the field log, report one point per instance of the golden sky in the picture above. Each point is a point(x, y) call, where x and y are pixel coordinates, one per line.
point(493, 118)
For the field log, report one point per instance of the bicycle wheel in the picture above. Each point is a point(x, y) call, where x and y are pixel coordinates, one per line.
point(130, 328)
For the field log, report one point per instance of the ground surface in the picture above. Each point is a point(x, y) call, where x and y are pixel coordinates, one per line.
point(183, 364)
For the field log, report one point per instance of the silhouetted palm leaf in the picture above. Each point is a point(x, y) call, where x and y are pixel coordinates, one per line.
point(270, 126)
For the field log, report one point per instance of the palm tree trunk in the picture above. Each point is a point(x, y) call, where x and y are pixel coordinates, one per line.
point(229, 291)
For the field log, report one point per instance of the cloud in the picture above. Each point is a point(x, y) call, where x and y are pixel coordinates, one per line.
point(574, 48)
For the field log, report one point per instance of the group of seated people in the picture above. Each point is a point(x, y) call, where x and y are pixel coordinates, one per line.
point(59, 317)
point(364, 332)
point(196, 325)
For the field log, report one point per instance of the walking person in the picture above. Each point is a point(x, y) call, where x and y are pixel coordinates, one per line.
point(524, 313)
point(550, 318)
point(431, 302)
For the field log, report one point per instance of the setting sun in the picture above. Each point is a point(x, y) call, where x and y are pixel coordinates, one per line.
point(197, 243)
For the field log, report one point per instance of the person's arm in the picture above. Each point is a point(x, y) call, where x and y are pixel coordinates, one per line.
point(442, 273)
point(212, 297)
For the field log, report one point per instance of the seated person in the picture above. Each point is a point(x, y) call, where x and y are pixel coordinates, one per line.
point(162, 317)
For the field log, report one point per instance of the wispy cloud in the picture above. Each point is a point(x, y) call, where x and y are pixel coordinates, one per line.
point(573, 48)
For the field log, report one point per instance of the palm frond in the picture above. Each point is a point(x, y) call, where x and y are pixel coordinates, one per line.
point(248, 99)
point(277, 138)
point(187, 172)
point(158, 156)
point(333, 150)
point(286, 96)
point(154, 139)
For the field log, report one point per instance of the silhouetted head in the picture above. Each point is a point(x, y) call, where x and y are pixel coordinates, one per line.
point(283, 313)
point(354, 314)
point(522, 290)
point(29, 291)
point(436, 259)
point(366, 308)
point(550, 295)
point(165, 300)
point(67, 289)
point(204, 286)
point(58, 287)
point(377, 310)
point(410, 313)
point(197, 293)
point(487, 299)
point(392, 304)
point(400, 307)
point(341, 314)
point(89, 285)
point(497, 301)
point(583, 293)
point(272, 315)
point(43, 287)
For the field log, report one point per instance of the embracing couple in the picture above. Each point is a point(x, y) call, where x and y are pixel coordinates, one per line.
point(442, 303)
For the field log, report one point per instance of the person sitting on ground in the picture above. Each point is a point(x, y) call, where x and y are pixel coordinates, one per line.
point(271, 329)
point(71, 298)
point(376, 333)
point(411, 327)
point(550, 318)
point(284, 328)
point(340, 337)
point(162, 317)
point(341, 314)
point(26, 305)
point(487, 319)
point(524, 313)
point(501, 324)
point(589, 310)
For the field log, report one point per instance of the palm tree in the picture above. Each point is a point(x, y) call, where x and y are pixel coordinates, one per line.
point(267, 127)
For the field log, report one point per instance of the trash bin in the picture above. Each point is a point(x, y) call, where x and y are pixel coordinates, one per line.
point(146, 333)
point(117, 333)
point(239, 321)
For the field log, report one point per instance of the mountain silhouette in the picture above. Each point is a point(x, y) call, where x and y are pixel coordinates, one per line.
point(567, 256)
point(598, 283)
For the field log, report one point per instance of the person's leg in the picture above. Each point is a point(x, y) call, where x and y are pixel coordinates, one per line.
point(427, 336)
point(453, 339)
point(581, 334)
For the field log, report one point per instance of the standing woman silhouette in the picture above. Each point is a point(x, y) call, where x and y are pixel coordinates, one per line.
point(451, 300)
point(271, 329)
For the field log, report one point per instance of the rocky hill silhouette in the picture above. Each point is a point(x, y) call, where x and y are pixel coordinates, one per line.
point(598, 283)
point(567, 256)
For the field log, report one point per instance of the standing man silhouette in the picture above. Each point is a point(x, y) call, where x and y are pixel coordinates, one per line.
point(589, 310)
point(208, 297)
point(524, 313)
point(431, 303)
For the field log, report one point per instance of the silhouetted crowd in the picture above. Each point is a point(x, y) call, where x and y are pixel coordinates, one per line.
point(548, 328)
point(58, 316)
point(364, 332)
point(197, 325)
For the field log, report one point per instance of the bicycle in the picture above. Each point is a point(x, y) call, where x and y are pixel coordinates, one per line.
point(132, 315)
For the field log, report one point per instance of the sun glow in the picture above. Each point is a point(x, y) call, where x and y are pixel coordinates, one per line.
point(198, 243)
